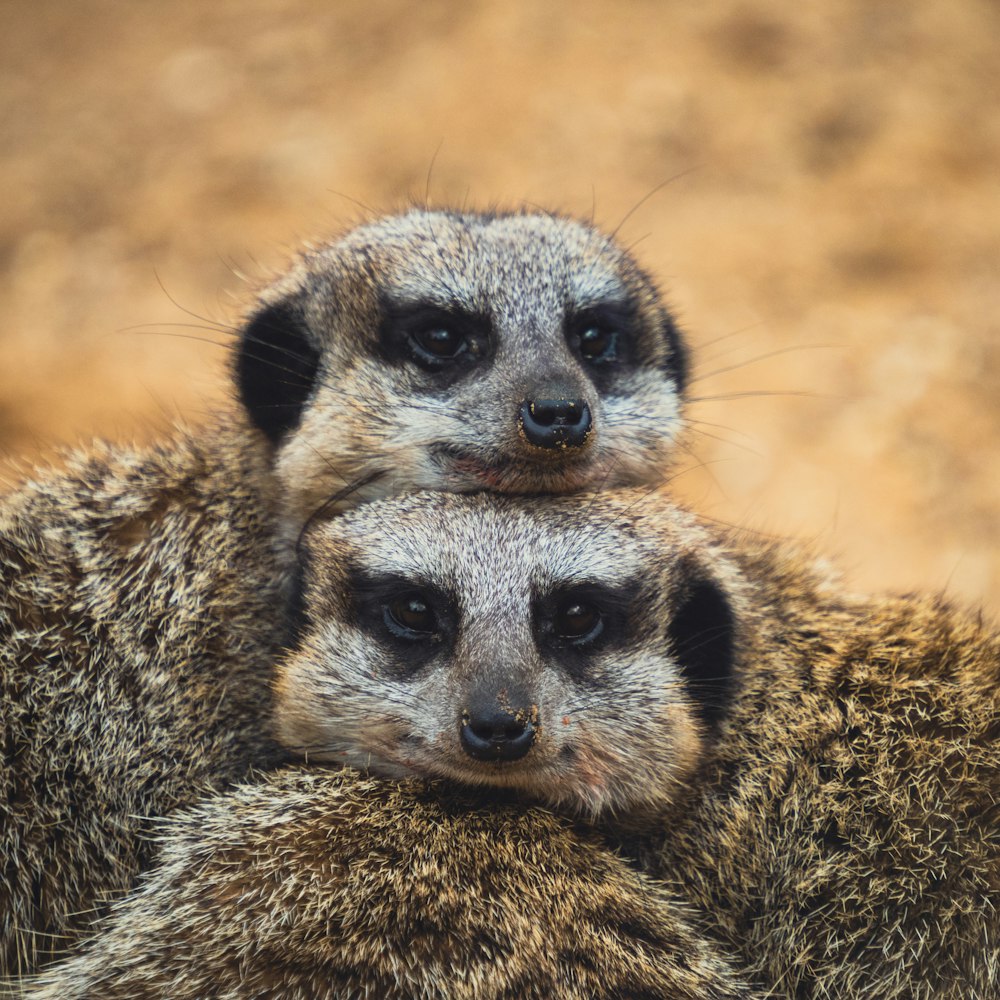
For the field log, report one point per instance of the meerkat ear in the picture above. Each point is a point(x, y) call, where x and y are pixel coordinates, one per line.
point(276, 368)
point(676, 365)
point(702, 638)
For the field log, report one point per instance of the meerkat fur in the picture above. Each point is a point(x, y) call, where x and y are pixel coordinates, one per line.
point(837, 835)
point(143, 590)
point(140, 611)
point(820, 771)
point(314, 884)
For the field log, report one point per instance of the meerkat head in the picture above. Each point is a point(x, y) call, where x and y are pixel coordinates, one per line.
point(579, 649)
point(460, 352)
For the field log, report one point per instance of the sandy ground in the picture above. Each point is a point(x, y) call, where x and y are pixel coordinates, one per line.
point(816, 185)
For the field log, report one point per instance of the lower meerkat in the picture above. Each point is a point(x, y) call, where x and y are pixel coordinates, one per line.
point(141, 590)
point(816, 775)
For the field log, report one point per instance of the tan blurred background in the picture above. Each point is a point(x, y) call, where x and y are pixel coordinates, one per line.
point(829, 229)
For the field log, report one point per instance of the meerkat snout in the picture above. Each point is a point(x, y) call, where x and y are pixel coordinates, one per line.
point(492, 733)
point(580, 650)
point(556, 423)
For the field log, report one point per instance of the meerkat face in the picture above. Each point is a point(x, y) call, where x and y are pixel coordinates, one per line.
point(461, 352)
point(571, 648)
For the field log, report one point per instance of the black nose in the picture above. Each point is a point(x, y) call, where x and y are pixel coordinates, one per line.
point(496, 735)
point(556, 423)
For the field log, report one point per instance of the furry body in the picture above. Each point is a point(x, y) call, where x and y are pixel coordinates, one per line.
point(139, 615)
point(143, 592)
point(317, 884)
point(839, 837)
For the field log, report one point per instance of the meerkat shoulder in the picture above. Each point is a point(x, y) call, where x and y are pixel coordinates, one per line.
point(139, 610)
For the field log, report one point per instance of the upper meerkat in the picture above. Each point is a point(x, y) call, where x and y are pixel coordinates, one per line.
point(515, 352)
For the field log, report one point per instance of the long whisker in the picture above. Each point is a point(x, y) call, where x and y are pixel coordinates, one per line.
point(350, 488)
point(642, 201)
point(760, 357)
point(759, 394)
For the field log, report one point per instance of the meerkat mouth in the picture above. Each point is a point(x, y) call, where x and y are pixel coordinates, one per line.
point(510, 475)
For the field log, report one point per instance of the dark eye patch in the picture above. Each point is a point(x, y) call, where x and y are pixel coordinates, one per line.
point(414, 619)
point(446, 342)
point(574, 623)
point(602, 336)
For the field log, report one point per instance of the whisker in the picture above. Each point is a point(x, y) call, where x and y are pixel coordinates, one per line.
point(430, 171)
point(140, 332)
point(329, 502)
point(724, 440)
point(642, 201)
point(174, 302)
point(727, 336)
point(751, 394)
point(721, 427)
point(760, 357)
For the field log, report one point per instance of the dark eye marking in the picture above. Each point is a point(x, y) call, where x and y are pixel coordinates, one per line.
point(575, 622)
point(434, 338)
point(414, 619)
point(601, 335)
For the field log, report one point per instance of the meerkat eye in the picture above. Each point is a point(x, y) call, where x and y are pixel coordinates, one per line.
point(578, 621)
point(439, 343)
point(574, 624)
point(599, 335)
point(410, 616)
point(599, 344)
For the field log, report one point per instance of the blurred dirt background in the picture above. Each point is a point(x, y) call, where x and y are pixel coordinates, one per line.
point(816, 185)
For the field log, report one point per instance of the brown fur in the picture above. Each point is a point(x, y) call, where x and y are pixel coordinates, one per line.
point(140, 603)
point(840, 839)
point(317, 884)
point(139, 614)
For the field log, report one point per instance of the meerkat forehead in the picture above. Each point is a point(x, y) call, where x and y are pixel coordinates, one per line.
point(488, 262)
point(526, 269)
point(489, 546)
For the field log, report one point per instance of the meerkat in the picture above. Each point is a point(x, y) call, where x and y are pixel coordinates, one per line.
point(143, 590)
point(815, 774)
point(821, 772)
point(312, 884)
point(139, 614)
point(512, 351)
